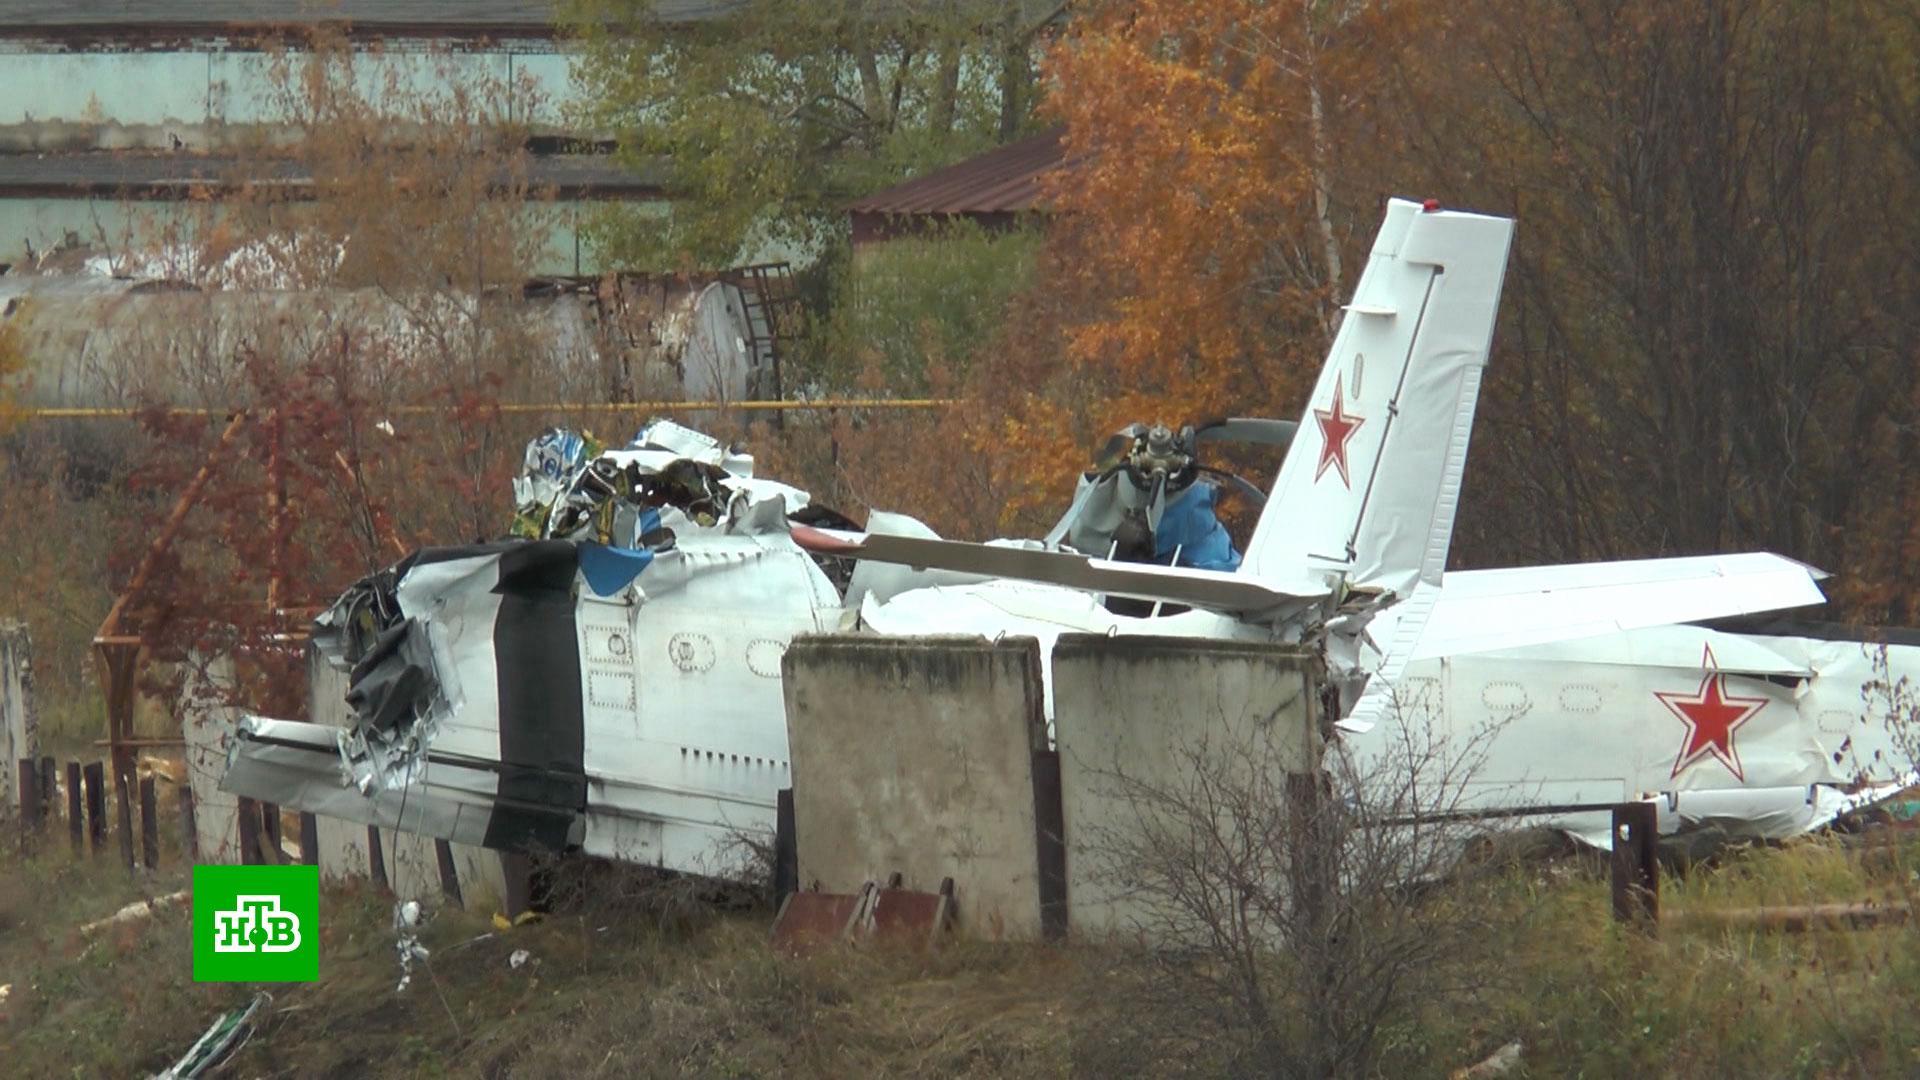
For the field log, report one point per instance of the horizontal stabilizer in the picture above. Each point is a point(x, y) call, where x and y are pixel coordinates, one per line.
point(1210, 589)
point(1480, 610)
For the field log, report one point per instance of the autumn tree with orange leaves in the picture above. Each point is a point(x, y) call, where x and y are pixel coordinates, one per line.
point(1198, 248)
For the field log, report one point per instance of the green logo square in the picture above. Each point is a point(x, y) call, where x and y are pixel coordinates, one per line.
point(256, 923)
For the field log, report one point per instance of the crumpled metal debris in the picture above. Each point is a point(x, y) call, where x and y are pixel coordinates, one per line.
point(572, 489)
point(621, 507)
point(221, 1040)
point(501, 922)
point(406, 930)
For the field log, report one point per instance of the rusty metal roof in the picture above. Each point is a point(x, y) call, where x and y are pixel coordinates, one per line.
point(997, 182)
point(28, 19)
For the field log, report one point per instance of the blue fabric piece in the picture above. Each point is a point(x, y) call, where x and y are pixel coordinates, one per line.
point(649, 520)
point(610, 569)
point(1189, 524)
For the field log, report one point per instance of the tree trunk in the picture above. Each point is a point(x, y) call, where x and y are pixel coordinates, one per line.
point(1016, 75)
point(1322, 182)
point(873, 95)
point(946, 87)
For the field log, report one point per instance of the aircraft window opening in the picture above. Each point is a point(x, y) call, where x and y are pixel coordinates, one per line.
point(1580, 698)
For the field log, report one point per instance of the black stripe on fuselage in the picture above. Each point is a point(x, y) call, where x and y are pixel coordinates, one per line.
point(543, 781)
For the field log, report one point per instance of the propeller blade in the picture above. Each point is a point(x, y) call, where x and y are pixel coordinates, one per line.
point(1115, 449)
point(1247, 429)
point(1241, 484)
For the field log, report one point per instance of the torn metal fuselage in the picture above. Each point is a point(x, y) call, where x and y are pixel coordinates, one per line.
point(550, 694)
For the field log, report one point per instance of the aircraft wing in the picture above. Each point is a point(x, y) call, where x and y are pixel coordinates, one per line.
point(1481, 610)
point(1475, 611)
point(1211, 589)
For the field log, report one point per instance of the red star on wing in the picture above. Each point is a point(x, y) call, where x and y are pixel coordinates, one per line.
point(1712, 716)
point(1336, 429)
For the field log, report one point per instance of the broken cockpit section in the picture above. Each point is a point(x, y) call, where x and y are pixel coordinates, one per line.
point(471, 663)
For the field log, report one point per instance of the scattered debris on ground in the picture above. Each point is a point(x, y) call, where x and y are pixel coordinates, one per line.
point(139, 909)
point(230, 1032)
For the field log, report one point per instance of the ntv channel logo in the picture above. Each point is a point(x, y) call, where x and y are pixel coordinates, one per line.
point(256, 923)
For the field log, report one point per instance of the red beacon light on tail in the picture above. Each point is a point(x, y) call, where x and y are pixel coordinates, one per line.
point(1431, 206)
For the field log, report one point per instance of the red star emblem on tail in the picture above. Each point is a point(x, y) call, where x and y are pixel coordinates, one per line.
point(1336, 430)
point(1712, 716)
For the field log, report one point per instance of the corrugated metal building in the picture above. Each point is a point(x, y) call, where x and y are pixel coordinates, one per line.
point(112, 110)
point(997, 189)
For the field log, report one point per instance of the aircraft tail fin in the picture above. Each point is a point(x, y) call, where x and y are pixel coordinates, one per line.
point(1369, 487)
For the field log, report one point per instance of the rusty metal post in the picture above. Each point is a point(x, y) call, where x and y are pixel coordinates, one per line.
point(121, 663)
point(786, 849)
point(449, 880)
point(49, 790)
point(118, 653)
point(95, 778)
point(76, 830)
point(309, 840)
point(376, 858)
point(1636, 864)
point(149, 825)
point(1050, 844)
point(28, 782)
point(189, 830)
point(249, 820)
point(270, 848)
point(123, 796)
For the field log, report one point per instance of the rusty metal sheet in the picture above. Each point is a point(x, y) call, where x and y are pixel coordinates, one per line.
point(809, 919)
point(907, 917)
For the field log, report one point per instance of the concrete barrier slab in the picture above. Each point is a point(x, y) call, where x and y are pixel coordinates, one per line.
point(1130, 713)
point(914, 756)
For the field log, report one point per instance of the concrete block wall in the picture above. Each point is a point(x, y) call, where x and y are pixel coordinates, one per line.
point(914, 756)
point(929, 757)
point(206, 724)
point(1132, 715)
point(19, 717)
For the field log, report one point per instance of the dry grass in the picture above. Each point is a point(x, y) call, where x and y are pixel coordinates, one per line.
point(629, 987)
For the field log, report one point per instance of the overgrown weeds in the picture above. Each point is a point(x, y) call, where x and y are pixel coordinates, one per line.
point(651, 978)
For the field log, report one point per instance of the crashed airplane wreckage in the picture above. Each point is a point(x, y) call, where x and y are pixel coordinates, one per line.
point(610, 681)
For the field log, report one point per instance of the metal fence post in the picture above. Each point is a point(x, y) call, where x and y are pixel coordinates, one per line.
point(189, 830)
point(76, 829)
point(28, 781)
point(94, 776)
point(376, 858)
point(149, 825)
point(123, 795)
point(449, 879)
point(1636, 864)
point(49, 790)
point(309, 840)
point(249, 821)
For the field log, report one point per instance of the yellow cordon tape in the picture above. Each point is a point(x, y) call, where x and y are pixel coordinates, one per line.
point(826, 404)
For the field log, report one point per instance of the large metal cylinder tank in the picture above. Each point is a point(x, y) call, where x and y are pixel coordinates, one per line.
point(94, 341)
